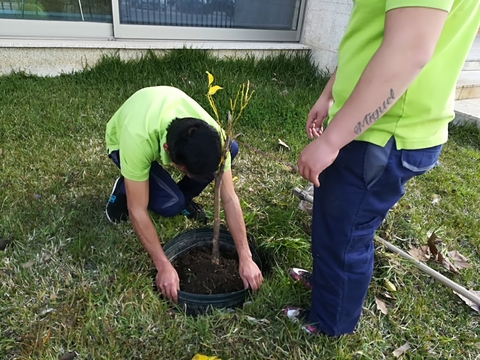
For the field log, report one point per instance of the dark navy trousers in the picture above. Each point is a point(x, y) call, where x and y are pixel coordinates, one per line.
point(354, 196)
point(167, 198)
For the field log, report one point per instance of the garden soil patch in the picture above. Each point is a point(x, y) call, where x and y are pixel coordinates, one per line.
point(199, 275)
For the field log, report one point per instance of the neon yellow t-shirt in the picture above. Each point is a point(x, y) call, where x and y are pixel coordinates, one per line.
point(139, 128)
point(419, 119)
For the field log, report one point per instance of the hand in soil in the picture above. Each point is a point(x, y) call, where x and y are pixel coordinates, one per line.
point(250, 274)
point(168, 282)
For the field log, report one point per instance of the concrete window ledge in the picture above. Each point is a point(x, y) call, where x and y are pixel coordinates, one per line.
point(51, 57)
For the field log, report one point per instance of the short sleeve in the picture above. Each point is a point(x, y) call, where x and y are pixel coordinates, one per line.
point(434, 4)
point(134, 163)
point(228, 162)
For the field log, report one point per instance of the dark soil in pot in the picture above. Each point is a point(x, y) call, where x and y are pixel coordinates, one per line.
point(199, 275)
point(204, 286)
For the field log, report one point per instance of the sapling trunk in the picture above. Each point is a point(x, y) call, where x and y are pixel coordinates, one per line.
point(216, 217)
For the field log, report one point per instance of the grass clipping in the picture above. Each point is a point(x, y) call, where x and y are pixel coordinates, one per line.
point(237, 106)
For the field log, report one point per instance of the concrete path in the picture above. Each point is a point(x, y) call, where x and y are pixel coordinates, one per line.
point(467, 104)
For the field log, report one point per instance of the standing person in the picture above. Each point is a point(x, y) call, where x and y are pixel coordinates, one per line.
point(388, 106)
point(159, 126)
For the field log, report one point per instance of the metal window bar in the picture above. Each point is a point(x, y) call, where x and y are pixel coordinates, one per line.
point(81, 9)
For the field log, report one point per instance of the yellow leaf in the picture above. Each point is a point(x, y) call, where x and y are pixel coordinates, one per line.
point(235, 178)
point(204, 357)
point(214, 89)
point(390, 287)
point(210, 78)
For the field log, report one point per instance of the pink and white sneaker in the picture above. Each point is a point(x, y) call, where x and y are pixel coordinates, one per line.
point(300, 316)
point(301, 275)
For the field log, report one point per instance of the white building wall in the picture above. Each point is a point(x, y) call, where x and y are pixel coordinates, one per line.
point(324, 25)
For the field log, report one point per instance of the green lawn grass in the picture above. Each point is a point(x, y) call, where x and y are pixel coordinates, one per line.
point(74, 282)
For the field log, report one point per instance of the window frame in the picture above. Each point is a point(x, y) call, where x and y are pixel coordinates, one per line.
point(53, 29)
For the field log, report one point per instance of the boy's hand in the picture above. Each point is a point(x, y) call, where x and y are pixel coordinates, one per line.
point(316, 116)
point(250, 274)
point(168, 282)
point(316, 157)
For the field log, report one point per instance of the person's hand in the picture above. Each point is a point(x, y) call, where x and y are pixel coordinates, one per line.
point(168, 282)
point(316, 116)
point(316, 157)
point(250, 274)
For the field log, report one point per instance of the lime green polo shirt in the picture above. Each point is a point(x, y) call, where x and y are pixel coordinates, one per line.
point(139, 128)
point(420, 117)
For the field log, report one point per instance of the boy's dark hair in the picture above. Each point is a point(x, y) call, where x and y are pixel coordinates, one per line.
point(195, 144)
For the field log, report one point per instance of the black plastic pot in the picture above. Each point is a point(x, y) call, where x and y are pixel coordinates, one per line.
point(195, 304)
